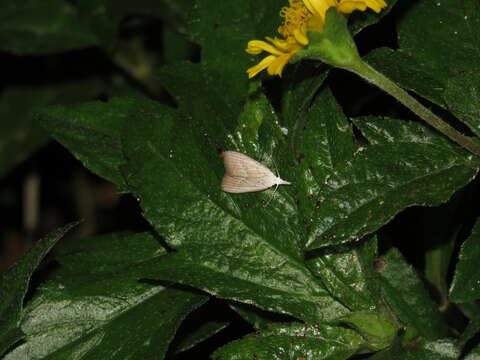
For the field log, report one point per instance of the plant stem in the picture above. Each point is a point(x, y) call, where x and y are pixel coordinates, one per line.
point(371, 75)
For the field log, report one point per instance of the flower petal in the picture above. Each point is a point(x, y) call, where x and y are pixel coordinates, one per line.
point(301, 36)
point(376, 5)
point(319, 7)
point(349, 6)
point(257, 46)
point(262, 65)
point(276, 67)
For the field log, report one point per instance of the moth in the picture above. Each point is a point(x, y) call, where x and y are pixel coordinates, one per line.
point(244, 174)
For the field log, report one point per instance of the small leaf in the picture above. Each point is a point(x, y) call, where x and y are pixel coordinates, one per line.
point(466, 281)
point(33, 27)
point(294, 341)
point(406, 295)
point(113, 315)
point(14, 285)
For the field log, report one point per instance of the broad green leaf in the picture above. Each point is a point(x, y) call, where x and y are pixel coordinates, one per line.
point(348, 274)
point(34, 27)
point(444, 36)
point(107, 253)
point(97, 309)
point(462, 96)
point(443, 349)
point(91, 131)
point(292, 342)
point(387, 130)
point(409, 73)
point(20, 133)
point(466, 282)
point(404, 292)
point(14, 285)
point(403, 169)
point(242, 247)
point(325, 146)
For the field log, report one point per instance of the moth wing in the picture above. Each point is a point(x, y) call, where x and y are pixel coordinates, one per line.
point(240, 185)
point(240, 165)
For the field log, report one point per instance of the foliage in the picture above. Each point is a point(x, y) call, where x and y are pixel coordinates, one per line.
point(317, 269)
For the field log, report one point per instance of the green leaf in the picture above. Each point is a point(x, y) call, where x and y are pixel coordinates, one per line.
point(91, 131)
point(325, 146)
point(107, 253)
point(466, 281)
point(374, 327)
point(443, 36)
point(33, 27)
point(97, 309)
point(348, 274)
point(228, 245)
point(409, 73)
point(399, 168)
point(404, 292)
point(443, 349)
point(294, 341)
point(14, 285)
point(462, 96)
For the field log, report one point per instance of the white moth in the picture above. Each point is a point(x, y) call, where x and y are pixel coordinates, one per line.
point(243, 174)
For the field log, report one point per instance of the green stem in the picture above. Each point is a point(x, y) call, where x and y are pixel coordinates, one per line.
point(371, 75)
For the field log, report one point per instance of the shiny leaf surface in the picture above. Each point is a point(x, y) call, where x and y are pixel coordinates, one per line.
point(14, 285)
point(294, 341)
point(95, 307)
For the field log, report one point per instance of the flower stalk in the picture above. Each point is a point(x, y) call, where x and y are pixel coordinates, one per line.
point(368, 73)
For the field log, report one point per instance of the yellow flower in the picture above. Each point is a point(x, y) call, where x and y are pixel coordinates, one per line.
point(299, 18)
